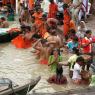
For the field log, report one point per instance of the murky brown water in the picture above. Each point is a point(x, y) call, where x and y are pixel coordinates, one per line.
point(20, 65)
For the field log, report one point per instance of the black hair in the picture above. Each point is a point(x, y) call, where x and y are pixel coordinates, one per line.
point(3, 18)
point(72, 31)
point(28, 27)
point(80, 59)
point(65, 6)
point(76, 51)
point(44, 16)
point(88, 31)
point(56, 49)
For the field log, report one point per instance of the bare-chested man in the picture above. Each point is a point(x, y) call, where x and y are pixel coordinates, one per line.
point(54, 39)
point(42, 46)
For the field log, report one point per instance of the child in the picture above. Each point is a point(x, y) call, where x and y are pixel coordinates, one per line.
point(58, 78)
point(77, 79)
point(71, 44)
point(54, 59)
point(87, 42)
point(72, 61)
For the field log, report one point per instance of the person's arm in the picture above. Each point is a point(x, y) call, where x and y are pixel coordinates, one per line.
point(55, 60)
point(35, 45)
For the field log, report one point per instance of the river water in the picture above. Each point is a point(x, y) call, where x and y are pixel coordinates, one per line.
point(20, 65)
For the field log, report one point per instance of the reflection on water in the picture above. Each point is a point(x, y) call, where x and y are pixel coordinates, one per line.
point(20, 66)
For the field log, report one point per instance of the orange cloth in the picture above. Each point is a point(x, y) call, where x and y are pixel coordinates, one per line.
point(38, 17)
point(21, 42)
point(53, 8)
point(86, 49)
point(31, 4)
point(72, 25)
point(12, 2)
point(66, 26)
point(4, 2)
point(42, 29)
point(44, 61)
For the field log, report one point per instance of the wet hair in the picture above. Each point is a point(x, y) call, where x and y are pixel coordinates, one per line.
point(76, 51)
point(65, 6)
point(88, 31)
point(80, 59)
point(44, 16)
point(56, 49)
point(28, 28)
point(3, 18)
point(43, 41)
point(72, 31)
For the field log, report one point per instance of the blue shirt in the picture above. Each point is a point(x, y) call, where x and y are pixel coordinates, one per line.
point(71, 45)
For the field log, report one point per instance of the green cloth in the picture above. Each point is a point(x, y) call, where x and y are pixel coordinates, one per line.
point(72, 61)
point(54, 65)
point(92, 81)
point(10, 18)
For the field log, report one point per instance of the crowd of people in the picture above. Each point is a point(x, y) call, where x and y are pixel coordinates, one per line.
point(60, 27)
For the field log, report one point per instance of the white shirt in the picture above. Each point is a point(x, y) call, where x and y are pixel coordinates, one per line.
point(76, 72)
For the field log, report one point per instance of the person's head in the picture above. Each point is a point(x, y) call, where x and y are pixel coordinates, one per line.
point(88, 33)
point(52, 22)
point(31, 12)
point(44, 17)
point(56, 52)
point(51, 1)
point(2, 19)
point(76, 51)
point(32, 19)
point(80, 60)
point(65, 6)
point(82, 24)
point(44, 42)
point(38, 10)
point(72, 32)
point(27, 28)
point(75, 39)
point(52, 31)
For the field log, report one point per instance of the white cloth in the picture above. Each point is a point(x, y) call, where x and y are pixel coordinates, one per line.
point(76, 72)
point(60, 6)
point(45, 6)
